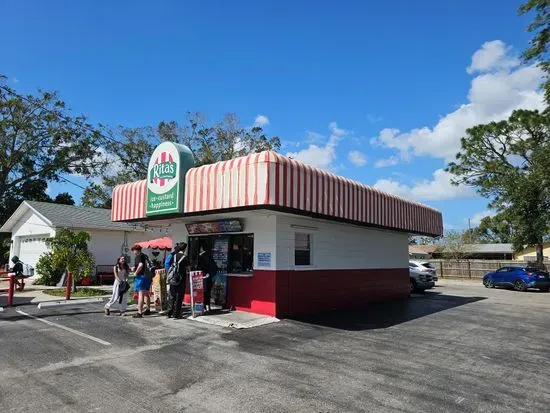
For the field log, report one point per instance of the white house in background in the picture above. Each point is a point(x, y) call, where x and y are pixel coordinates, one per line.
point(33, 222)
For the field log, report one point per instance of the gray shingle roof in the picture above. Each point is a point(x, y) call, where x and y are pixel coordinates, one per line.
point(70, 216)
point(489, 248)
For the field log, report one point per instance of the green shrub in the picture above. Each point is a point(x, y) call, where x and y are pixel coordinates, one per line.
point(81, 292)
point(48, 274)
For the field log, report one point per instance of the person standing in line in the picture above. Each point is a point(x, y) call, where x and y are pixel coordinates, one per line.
point(177, 281)
point(142, 283)
point(120, 290)
point(169, 258)
point(206, 266)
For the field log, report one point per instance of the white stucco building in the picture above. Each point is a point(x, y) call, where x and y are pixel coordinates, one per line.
point(33, 222)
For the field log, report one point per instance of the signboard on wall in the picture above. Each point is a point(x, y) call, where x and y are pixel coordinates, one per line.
point(166, 178)
point(264, 259)
point(214, 227)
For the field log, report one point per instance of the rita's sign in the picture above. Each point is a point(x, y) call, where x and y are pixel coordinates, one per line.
point(166, 178)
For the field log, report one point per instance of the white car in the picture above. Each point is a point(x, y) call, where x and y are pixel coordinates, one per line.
point(423, 266)
point(420, 280)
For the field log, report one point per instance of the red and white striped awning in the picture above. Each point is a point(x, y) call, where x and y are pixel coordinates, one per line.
point(129, 201)
point(270, 179)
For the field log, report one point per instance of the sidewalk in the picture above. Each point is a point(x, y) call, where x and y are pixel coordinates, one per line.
point(235, 319)
point(34, 294)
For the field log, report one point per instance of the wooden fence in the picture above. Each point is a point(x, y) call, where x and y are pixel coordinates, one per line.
point(472, 268)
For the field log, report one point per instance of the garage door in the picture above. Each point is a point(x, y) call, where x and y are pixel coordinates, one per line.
point(31, 248)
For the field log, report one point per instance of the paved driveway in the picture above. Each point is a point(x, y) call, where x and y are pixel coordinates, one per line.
point(458, 348)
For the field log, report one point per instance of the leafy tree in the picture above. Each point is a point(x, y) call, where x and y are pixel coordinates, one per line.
point(130, 149)
point(98, 196)
point(64, 198)
point(39, 141)
point(496, 229)
point(69, 252)
point(509, 163)
point(453, 245)
point(538, 47)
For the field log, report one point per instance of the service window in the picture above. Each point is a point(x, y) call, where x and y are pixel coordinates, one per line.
point(241, 253)
point(302, 249)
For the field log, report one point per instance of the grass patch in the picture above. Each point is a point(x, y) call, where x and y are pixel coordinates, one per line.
point(80, 292)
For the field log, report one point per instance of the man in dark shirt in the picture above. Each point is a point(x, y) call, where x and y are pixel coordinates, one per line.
point(177, 291)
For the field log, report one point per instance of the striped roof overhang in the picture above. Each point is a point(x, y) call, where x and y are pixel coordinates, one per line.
point(272, 180)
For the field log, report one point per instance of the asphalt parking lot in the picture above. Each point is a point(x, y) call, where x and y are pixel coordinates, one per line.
point(457, 348)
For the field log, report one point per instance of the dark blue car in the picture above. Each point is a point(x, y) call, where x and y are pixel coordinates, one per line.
point(521, 278)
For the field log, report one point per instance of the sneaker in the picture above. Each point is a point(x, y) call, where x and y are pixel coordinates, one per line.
point(147, 312)
point(121, 314)
point(107, 311)
point(169, 315)
point(138, 315)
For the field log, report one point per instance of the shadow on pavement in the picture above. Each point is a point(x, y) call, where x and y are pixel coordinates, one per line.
point(16, 301)
point(387, 314)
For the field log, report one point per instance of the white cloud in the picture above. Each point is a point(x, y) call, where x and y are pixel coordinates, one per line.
point(261, 121)
point(318, 155)
point(383, 163)
point(113, 165)
point(357, 158)
point(500, 87)
point(476, 219)
point(314, 137)
point(437, 189)
point(493, 55)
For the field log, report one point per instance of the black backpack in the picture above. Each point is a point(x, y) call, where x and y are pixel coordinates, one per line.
point(147, 267)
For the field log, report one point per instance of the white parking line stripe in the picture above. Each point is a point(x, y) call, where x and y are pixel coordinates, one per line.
point(70, 330)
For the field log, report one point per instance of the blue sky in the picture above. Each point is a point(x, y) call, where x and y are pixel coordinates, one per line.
point(334, 80)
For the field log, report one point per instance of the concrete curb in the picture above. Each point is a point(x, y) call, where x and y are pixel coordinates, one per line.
point(69, 302)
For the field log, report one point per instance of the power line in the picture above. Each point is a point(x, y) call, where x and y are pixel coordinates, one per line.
point(71, 182)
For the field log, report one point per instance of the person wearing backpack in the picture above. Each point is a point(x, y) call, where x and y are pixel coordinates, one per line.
point(169, 259)
point(142, 283)
point(175, 279)
point(209, 269)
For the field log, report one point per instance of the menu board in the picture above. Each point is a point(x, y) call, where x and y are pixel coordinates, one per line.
point(220, 254)
point(214, 227)
point(197, 293)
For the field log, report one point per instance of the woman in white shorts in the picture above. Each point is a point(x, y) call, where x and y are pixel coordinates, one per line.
point(120, 286)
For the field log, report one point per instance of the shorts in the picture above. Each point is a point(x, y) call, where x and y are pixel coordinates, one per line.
point(142, 283)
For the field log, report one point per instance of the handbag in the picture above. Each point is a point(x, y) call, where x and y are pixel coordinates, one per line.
point(123, 287)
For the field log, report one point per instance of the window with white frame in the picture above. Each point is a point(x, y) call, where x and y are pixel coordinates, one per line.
point(302, 249)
